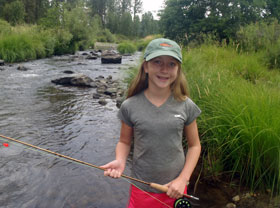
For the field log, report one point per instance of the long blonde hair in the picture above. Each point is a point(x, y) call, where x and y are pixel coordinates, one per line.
point(179, 87)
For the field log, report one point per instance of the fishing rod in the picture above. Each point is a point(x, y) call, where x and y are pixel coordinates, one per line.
point(156, 186)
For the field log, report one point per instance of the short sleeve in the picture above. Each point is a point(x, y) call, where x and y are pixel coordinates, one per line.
point(192, 111)
point(124, 115)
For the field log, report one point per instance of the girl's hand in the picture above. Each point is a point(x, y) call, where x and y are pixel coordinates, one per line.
point(114, 169)
point(176, 188)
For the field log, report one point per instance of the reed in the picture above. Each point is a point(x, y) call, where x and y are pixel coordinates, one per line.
point(240, 125)
point(26, 43)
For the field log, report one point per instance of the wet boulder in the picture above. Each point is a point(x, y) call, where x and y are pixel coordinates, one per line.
point(111, 57)
point(78, 80)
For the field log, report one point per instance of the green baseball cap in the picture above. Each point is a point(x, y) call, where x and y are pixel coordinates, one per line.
point(163, 47)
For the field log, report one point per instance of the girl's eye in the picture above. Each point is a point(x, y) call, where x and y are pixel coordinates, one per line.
point(157, 62)
point(172, 64)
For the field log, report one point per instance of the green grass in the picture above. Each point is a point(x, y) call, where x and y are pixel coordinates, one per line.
point(17, 48)
point(240, 123)
point(27, 42)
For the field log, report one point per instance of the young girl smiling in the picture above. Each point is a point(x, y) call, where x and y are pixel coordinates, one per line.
point(157, 115)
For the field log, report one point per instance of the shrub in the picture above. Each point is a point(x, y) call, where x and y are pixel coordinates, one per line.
point(105, 36)
point(258, 36)
point(5, 27)
point(142, 44)
point(63, 42)
point(126, 48)
point(14, 12)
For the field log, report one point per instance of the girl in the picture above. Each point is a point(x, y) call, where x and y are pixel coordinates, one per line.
point(156, 114)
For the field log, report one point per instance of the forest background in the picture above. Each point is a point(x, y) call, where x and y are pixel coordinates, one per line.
point(231, 58)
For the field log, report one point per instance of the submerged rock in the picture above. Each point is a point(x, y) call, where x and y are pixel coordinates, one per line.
point(22, 68)
point(102, 102)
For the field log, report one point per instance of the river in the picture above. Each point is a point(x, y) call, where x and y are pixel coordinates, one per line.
point(63, 119)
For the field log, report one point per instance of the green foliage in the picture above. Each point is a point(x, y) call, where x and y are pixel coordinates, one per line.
point(75, 22)
point(14, 12)
point(184, 20)
point(258, 36)
point(272, 56)
point(142, 44)
point(26, 43)
point(126, 24)
point(47, 39)
point(52, 19)
point(240, 124)
point(126, 48)
point(17, 47)
point(105, 36)
point(148, 25)
point(63, 42)
point(261, 37)
point(5, 28)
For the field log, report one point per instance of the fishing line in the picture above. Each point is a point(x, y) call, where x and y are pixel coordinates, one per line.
point(61, 156)
point(67, 160)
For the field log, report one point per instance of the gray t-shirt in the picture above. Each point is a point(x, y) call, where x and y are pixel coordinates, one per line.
point(158, 155)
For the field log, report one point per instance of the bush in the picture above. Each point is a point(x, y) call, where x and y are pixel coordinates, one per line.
point(126, 48)
point(142, 44)
point(14, 12)
point(258, 36)
point(272, 57)
point(5, 27)
point(105, 36)
point(63, 42)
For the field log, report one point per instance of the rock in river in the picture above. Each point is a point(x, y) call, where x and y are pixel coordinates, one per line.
point(79, 80)
point(111, 57)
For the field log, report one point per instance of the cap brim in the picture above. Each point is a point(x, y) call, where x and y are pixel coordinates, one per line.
point(163, 53)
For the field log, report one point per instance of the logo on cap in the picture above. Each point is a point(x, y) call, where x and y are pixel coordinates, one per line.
point(165, 45)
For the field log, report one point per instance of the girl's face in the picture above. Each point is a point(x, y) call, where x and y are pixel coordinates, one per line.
point(162, 71)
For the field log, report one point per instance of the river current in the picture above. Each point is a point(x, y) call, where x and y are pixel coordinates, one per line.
point(62, 119)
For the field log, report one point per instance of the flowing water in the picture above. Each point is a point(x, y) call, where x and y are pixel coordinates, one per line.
point(63, 119)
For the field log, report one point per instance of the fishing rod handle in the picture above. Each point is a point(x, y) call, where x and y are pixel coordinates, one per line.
point(164, 189)
point(159, 187)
